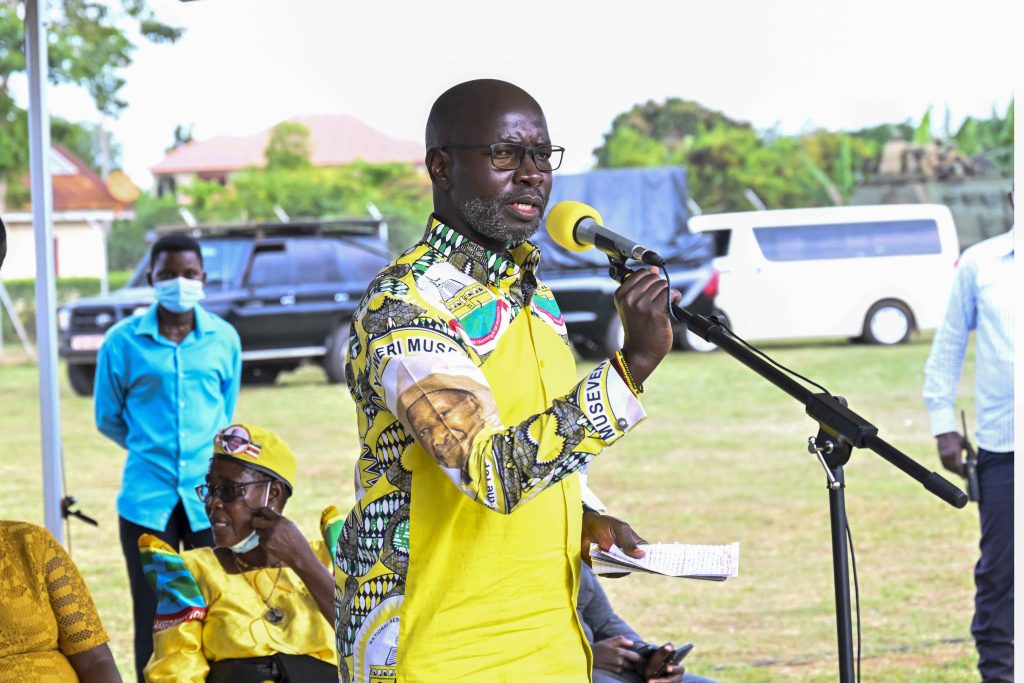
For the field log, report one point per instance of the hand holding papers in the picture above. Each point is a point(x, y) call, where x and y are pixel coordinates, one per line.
point(712, 562)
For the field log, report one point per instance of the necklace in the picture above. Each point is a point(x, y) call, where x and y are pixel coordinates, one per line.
point(274, 615)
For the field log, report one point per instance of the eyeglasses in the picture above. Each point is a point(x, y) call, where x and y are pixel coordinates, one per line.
point(225, 492)
point(508, 156)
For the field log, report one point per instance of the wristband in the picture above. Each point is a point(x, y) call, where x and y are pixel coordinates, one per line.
point(627, 376)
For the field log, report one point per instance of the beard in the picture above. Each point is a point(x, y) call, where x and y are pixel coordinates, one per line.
point(485, 217)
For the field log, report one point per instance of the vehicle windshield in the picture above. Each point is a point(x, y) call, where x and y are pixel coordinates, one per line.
point(223, 258)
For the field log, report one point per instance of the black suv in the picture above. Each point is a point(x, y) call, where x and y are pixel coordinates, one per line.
point(288, 288)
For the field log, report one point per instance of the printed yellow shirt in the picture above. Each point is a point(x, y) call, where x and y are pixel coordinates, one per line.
point(460, 560)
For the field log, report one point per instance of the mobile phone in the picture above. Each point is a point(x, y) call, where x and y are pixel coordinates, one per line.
point(645, 651)
point(673, 659)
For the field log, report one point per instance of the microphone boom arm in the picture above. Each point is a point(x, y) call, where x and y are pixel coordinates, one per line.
point(823, 408)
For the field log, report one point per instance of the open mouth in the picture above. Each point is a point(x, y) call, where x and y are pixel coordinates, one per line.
point(525, 208)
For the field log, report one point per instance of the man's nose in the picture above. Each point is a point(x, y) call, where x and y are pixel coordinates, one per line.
point(441, 435)
point(528, 172)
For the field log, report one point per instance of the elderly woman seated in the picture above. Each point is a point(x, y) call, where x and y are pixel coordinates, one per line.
point(260, 605)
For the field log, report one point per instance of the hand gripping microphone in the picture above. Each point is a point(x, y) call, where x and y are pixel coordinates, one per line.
point(577, 227)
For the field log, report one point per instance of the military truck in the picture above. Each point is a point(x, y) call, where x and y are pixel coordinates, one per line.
point(937, 173)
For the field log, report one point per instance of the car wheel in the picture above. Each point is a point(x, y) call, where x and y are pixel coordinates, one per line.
point(888, 322)
point(688, 341)
point(82, 378)
point(337, 347)
point(260, 375)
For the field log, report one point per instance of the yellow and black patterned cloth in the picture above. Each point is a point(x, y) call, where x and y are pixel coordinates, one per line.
point(46, 611)
point(460, 560)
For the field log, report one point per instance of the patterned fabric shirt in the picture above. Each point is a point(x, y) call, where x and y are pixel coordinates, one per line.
point(982, 299)
point(46, 612)
point(460, 560)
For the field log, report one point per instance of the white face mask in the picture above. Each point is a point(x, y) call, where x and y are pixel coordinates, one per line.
point(246, 544)
point(180, 294)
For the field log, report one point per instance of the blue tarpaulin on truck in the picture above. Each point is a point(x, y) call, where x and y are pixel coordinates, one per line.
point(647, 205)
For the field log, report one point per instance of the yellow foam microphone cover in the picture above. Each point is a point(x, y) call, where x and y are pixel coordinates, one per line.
point(563, 219)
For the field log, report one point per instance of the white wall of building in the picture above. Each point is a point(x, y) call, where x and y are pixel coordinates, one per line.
point(80, 250)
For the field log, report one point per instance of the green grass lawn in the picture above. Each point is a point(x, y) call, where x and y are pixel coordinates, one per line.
point(721, 458)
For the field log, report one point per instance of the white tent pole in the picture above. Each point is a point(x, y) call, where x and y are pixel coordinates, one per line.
point(46, 297)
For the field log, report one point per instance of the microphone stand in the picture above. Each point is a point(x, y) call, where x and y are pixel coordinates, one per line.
point(839, 431)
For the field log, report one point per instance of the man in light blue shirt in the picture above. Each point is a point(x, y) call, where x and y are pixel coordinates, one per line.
point(982, 300)
point(166, 383)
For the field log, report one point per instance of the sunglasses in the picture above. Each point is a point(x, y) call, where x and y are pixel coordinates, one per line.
point(226, 493)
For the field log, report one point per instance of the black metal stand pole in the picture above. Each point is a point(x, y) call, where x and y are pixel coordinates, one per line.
point(841, 573)
point(840, 430)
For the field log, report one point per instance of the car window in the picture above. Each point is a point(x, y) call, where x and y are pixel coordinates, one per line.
point(272, 267)
point(360, 264)
point(315, 259)
point(849, 240)
point(222, 260)
point(720, 240)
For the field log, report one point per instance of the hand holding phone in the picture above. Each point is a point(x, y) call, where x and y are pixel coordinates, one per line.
point(672, 659)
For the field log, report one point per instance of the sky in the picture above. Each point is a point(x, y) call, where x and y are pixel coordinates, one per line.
point(244, 65)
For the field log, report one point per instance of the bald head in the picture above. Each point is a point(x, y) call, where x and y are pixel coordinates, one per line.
point(464, 108)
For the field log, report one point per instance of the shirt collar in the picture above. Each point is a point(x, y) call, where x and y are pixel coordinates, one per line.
point(149, 324)
point(497, 267)
point(1005, 242)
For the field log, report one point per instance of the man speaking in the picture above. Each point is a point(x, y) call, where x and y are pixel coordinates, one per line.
point(461, 558)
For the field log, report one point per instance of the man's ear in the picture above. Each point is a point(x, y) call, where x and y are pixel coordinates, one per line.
point(149, 277)
point(438, 164)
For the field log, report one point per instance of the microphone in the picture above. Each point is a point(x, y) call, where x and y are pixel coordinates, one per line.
point(578, 227)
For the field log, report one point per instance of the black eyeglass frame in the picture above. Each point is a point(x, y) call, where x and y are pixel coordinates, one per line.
point(212, 491)
point(532, 151)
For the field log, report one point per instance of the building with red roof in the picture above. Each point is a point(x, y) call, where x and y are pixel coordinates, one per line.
point(84, 207)
point(334, 140)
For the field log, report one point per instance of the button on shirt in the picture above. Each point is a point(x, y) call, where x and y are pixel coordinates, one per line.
point(982, 299)
point(164, 402)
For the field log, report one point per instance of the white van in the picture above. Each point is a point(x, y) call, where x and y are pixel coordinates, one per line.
point(876, 273)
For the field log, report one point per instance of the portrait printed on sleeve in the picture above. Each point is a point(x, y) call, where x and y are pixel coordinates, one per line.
point(444, 413)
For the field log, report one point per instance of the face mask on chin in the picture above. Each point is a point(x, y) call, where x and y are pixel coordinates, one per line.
point(246, 544)
point(180, 294)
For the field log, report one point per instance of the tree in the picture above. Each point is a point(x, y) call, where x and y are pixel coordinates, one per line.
point(400, 192)
point(989, 140)
point(727, 158)
point(182, 136)
point(86, 141)
point(669, 124)
point(127, 243)
point(87, 47)
point(288, 147)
